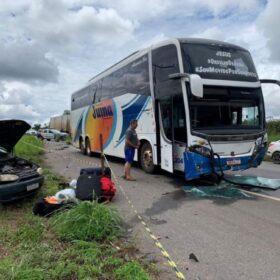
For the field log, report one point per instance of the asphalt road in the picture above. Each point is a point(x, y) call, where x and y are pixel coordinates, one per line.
point(232, 238)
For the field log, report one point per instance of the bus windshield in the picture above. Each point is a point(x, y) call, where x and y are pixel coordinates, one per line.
point(219, 62)
point(227, 110)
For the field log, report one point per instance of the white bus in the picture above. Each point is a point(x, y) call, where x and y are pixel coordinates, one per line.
point(198, 103)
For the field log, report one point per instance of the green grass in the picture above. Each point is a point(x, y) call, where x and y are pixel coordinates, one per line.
point(88, 221)
point(69, 246)
point(25, 149)
point(273, 130)
point(273, 136)
point(131, 271)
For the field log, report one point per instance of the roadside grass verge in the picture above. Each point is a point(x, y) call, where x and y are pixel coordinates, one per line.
point(86, 242)
point(27, 151)
point(273, 136)
point(88, 221)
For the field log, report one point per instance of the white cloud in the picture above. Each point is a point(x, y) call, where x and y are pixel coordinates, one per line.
point(135, 9)
point(26, 61)
point(15, 101)
point(219, 6)
point(214, 33)
point(269, 22)
point(155, 39)
point(58, 23)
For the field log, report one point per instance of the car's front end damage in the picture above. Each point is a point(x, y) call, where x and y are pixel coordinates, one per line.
point(19, 178)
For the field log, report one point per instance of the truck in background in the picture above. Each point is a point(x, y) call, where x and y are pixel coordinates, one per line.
point(61, 123)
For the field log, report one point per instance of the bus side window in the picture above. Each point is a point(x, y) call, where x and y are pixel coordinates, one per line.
point(106, 88)
point(131, 78)
point(165, 62)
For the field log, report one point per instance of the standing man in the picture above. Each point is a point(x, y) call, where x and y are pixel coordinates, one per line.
point(131, 143)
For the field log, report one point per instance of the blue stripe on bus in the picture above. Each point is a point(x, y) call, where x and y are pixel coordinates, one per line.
point(78, 128)
point(132, 112)
point(130, 102)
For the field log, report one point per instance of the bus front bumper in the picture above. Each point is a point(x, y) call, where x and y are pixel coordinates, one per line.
point(197, 165)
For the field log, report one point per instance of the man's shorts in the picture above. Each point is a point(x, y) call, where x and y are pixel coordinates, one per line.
point(129, 154)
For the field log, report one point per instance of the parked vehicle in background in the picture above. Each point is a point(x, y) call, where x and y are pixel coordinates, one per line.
point(19, 178)
point(52, 134)
point(32, 132)
point(60, 123)
point(274, 151)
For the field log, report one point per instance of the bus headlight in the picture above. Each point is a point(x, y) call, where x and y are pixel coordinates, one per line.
point(259, 144)
point(40, 171)
point(8, 178)
point(200, 150)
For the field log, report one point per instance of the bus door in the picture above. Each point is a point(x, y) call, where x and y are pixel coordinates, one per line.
point(166, 133)
point(173, 132)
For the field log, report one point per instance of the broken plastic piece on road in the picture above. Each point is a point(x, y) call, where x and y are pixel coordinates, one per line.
point(193, 257)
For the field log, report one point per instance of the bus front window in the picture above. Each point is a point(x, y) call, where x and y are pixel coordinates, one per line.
point(227, 109)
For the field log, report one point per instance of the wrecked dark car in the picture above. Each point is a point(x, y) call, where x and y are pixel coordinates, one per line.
point(19, 178)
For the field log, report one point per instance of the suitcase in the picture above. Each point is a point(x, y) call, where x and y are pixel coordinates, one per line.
point(88, 187)
point(96, 171)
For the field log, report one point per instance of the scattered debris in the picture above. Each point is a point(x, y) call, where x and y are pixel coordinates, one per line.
point(166, 193)
point(193, 257)
point(220, 191)
point(257, 182)
point(115, 246)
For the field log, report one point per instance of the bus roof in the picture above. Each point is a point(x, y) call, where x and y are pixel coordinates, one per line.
point(209, 42)
point(141, 52)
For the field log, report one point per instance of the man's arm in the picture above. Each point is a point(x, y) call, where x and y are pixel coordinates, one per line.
point(130, 144)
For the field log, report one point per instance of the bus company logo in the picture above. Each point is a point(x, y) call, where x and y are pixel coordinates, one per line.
point(102, 112)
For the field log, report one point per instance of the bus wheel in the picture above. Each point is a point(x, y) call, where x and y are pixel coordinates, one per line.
point(146, 158)
point(276, 157)
point(82, 147)
point(87, 148)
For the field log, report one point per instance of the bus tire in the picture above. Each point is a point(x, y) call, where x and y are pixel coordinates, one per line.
point(276, 157)
point(146, 158)
point(87, 148)
point(82, 146)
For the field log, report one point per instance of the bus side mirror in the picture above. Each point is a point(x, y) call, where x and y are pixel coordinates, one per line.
point(270, 81)
point(196, 85)
point(195, 81)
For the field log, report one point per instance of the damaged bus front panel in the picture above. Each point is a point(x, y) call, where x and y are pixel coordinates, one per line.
point(227, 118)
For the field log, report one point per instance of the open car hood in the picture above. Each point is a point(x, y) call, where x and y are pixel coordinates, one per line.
point(11, 131)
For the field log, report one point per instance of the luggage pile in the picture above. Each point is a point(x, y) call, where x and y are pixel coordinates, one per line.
point(91, 185)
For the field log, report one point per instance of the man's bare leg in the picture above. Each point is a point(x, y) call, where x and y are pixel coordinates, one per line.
point(127, 168)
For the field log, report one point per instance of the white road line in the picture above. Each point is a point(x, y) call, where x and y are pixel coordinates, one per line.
point(262, 195)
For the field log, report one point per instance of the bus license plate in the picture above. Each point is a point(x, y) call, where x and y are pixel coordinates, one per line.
point(233, 162)
point(32, 187)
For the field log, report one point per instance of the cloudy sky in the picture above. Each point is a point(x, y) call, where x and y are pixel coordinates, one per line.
point(51, 48)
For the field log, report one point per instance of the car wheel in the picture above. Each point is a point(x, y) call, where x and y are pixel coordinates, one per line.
point(87, 148)
point(276, 157)
point(146, 158)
